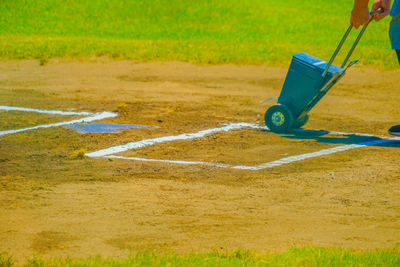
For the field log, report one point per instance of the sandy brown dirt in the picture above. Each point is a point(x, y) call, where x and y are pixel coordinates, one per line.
point(54, 204)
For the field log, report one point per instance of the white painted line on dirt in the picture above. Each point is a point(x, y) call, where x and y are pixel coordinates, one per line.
point(322, 152)
point(185, 136)
point(108, 152)
point(271, 164)
point(95, 117)
point(183, 162)
point(44, 111)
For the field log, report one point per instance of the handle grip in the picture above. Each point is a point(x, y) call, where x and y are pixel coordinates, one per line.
point(354, 45)
point(376, 12)
point(372, 13)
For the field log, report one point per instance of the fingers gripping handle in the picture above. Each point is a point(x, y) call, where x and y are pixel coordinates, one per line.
point(359, 36)
point(354, 45)
point(376, 12)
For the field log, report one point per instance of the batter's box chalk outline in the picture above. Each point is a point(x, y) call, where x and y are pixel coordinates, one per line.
point(90, 117)
point(111, 151)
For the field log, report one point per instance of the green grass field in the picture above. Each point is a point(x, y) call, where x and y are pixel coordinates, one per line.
point(311, 256)
point(204, 31)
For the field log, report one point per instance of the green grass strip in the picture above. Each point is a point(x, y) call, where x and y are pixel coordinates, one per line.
point(310, 256)
point(204, 31)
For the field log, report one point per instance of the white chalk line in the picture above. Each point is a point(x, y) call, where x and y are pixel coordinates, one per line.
point(262, 166)
point(109, 152)
point(184, 136)
point(322, 152)
point(44, 111)
point(92, 117)
point(183, 162)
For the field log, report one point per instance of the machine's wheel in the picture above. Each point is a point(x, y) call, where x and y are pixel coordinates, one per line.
point(300, 122)
point(279, 118)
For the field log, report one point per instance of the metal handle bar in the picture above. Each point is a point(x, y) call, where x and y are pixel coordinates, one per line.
point(354, 45)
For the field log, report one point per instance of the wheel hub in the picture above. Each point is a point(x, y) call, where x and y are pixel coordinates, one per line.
point(278, 119)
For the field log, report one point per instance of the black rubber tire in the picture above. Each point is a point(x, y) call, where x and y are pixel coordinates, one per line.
point(279, 119)
point(298, 123)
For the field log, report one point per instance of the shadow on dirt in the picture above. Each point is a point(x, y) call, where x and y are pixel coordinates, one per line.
point(321, 136)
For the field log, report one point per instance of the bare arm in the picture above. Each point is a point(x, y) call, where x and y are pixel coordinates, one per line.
point(360, 14)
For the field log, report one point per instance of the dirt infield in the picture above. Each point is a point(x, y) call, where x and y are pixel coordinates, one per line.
point(53, 203)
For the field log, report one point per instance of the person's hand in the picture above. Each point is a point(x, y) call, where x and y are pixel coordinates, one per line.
point(381, 4)
point(359, 16)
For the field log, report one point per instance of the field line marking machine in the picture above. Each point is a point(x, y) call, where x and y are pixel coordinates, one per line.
point(307, 81)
